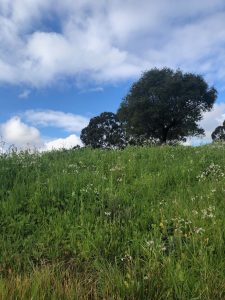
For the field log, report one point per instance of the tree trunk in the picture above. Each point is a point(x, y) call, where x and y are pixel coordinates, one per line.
point(164, 135)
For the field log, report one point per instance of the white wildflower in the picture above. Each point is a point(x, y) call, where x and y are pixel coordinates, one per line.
point(107, 213)
point(150, 243)
point(199, 230)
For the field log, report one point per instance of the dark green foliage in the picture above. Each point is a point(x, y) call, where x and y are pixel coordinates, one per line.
point(104, 131)
point(166, 105)
point(219, 133)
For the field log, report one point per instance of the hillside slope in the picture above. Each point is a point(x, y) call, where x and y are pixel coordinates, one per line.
point(142, 223)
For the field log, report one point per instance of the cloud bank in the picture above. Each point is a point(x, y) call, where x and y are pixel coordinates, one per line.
point(58, 119)
point(66, 143)
point(42, 41)
point(24, 132)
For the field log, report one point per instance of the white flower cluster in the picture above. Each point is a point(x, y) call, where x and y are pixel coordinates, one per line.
point(208, 213)
point(157, 246)
point(199, 230)
point(89, 189)
point(116, 168)
point(214, 171)
point(108, 213)
point(127, 258)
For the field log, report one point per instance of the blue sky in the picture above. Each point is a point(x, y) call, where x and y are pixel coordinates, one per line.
point(63, 62)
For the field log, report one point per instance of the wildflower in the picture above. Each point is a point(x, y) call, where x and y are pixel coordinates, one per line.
point(116, 168)
point(193, 199)
point(72, 166)
point(162, 202)
point(163, 248)
point(213, 170)
point(211, 208)
point(188, 222)
point(199, 230)
point(210, 215)
point(127, 257)
point(208, 212)
point(178, 231)
point(107, 213)
point(150, 243)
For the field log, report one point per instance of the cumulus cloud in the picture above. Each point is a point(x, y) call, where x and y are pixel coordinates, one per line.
point(45, 41)
point(19, 132)
point(62, 143)
point(50, 118)
point(15, 132)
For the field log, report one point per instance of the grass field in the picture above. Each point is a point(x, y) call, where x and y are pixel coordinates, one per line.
point(142, 223)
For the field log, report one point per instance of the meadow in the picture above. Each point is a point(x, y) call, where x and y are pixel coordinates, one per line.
point(139, 223)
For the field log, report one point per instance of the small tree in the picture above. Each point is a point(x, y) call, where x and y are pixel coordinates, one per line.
point(219, 133)
point(104, 131)
point(166, 105)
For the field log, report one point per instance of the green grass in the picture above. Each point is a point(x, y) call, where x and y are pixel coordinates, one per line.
point(142, 223)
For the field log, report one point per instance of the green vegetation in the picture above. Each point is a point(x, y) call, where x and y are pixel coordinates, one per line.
point(166, 105)
point(104, 131)
point(163, 106)
point(139, 223)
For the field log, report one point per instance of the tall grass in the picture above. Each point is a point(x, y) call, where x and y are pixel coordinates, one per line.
point(142, 223)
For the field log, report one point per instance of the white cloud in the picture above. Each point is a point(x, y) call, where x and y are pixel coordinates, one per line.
point(109, 40)
point(97, 89)
point(24, 94)
point(62, 143)
point(46, 118)
point(22, 132)
point(19, 134)
point(15, 132)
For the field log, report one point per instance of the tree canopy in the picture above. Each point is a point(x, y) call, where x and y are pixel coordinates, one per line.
point(166, 105)
point(104, 131)
point(219, 133)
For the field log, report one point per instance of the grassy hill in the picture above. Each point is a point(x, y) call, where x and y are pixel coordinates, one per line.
point(142, 223)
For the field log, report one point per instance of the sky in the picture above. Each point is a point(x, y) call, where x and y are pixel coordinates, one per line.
point(64, 62)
